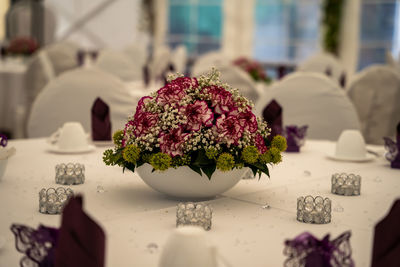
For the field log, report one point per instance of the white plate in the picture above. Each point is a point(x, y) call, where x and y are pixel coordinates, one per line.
point(56, 149)
point(368, 157)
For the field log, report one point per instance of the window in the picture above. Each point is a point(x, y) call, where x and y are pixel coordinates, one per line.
point(379, 32)
point(286, 30)
point(195, 23)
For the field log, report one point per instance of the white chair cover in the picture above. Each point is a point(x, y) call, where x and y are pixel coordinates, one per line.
point(118, 64)
point(179, 59)
point(375, 92)
point(137, 54)
point(159, 63)
point(324, 63)
point(239, 79)
point(205, 62)
point(70, 98)
point(310, 99)
point(19, 20)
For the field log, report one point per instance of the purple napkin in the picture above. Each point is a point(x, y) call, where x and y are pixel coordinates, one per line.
point(81, 242)
point(272, 114)
point(101, 124)
point(38, 246)
point(295, 137)
point(3, 140)
point(393, 149)
point(80, 56)
point(386, 249)
point(328, 71)
point(306, 250)
point(342, 80)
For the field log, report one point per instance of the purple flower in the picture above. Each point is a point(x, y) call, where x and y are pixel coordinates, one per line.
point(221, 99)
point(229, 129)
point(171, 142)
point(198, 114)
point(174, 91)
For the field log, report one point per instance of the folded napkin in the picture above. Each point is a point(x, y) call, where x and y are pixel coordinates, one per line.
point(393, 149)
point(306, 250)
point(3, 140)
point(81, 242)
point(386, 248)
point(295, 137)
point(101, 123)
point(342, 80)
point(272, 114)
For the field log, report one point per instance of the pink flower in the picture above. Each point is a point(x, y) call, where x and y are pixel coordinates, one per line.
point(230, 128)
point(198, 114)
point(140, 105)
point(174, 91)
point(260, 144)
point(249, 121)
point(143, 122)
point(221, 99)
point(171, 142)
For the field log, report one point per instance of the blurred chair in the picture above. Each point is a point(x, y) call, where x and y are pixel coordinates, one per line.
point(118, 64)
point(239, 79)
point(391, 62)
point(313, 100)
point(375, 92)
point(325, 63)
point(137, 54)
point(71, 96)
point(205, 62)
point(179, 59)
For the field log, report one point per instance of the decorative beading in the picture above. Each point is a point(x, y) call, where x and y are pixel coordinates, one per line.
point(198, 214)
point(346, 184)
point(314, 210)
point(52, 201)
point(69, 174)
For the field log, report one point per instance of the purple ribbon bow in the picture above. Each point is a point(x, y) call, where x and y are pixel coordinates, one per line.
point(306, 250)
point(37, 245)
point(295, 137)
point(3, 140)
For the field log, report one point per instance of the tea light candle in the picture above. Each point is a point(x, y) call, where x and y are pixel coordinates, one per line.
point(314, 210)
point(68, 174)
point(346, 184)
point(198, 214)
point(52, 201)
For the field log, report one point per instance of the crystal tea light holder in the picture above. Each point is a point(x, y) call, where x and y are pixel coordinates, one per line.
point(198, 214)
point(69, 174)
point(52, 201)
point(314, 210)
point(346, 184)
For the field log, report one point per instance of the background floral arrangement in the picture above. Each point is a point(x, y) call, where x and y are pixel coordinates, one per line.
point(199, 123)
point(22, 46)
point(253, 68)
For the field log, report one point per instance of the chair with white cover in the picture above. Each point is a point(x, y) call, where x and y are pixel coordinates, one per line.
point(137, 54)
point(118, 64)
point(237, 78)
point(325, 63)
point(159, 63)
point(314, 100)
point(70, 98)
point(375, 92)
point(179, 59)
point(205, 62)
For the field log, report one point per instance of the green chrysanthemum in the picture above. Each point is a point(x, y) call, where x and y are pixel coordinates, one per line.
point(250, 154)
point(275, 155)
point(131, 153)
point(225, 162)
point(146, 157)
point(117, 137)
point(108, 157)
point(161, 161)
point(279, 142)
point(180, 161)
point(211, 153)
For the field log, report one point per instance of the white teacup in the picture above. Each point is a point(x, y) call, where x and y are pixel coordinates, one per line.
point(71, 136)
point(351, 146)
point(188, 246)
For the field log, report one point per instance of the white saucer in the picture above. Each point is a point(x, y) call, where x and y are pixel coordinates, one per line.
point(56, 149)
point(368, 157)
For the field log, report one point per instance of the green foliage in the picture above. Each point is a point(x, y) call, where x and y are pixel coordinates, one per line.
point(131, 153)
point(211, 153)
point(161, 161)
point(332, 16)
point(250, 154)
point(117, 138)
point(225, 162)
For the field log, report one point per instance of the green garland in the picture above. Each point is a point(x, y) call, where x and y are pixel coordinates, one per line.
point(331, 22)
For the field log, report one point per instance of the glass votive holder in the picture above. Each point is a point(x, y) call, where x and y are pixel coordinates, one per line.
point(314, 210)
point(198, 214)
point(52, 201)
point(346, 184)
point(70, 174)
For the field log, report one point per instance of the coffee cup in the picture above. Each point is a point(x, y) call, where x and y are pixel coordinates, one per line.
point(71, 136)
point(351, 147)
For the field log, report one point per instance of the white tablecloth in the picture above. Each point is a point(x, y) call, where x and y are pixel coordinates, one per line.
point(133, 215)
point(12, 95)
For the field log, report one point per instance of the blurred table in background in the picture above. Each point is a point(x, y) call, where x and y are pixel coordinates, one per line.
point(12, 95)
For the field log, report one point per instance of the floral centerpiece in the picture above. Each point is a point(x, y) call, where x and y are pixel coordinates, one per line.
point(199, 123)
point(253, 68)
point(23, 46)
